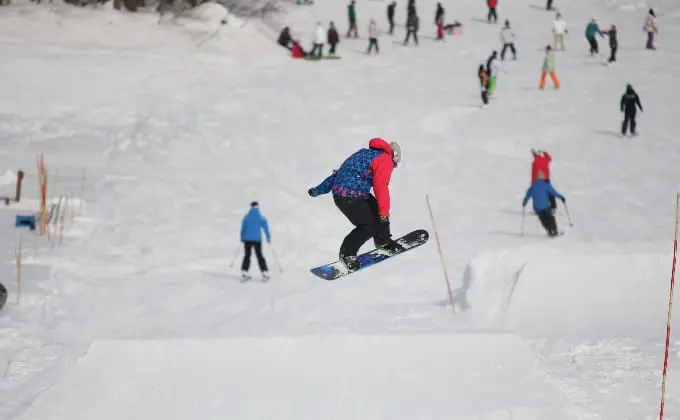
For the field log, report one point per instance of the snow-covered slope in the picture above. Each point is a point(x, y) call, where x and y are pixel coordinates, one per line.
point(179, 127)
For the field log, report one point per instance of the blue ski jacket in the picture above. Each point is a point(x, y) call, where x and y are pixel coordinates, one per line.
point(540, 192)
point(252, 226)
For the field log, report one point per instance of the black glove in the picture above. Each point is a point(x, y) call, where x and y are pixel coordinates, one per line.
point(382, 234)
point(564, 200)
point(310, 192)
point(524, 203)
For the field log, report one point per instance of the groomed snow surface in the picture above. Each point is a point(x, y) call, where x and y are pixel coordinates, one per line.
point(139, 313)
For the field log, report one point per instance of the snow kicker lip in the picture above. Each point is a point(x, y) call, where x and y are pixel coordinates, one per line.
point(344, 377)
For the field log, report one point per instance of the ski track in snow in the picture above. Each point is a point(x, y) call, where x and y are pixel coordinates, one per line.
point(177, 140)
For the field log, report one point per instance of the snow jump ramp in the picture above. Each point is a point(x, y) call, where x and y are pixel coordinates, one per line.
point(453, 376)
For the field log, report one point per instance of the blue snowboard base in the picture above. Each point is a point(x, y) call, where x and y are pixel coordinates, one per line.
point(335, 270)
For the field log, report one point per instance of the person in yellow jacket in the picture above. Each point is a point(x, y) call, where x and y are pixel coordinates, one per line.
point(549, 68)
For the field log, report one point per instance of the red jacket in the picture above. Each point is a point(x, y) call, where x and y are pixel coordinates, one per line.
point(492, 3)
point(541, 163)
point(297, 51)
point(382, 167)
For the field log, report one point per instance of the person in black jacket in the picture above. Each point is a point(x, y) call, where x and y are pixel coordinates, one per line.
point(412, 25)
point(630, 101)
point(613, 43)
point(285, 39)
point(390, 16)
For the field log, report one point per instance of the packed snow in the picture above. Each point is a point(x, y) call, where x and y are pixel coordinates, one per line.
point(162, 134)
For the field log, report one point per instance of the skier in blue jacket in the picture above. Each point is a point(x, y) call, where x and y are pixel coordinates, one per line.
point(540, 192)
point(251, 235)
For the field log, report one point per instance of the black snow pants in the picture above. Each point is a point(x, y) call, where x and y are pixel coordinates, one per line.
point(373, 42)
point(629, 118)
point(594, 48)
point(249, 245)
point(391, 21)
point(512, 49)
point(548, 221)
point(492, 14)
point(485, 96)
point(408, 36)
point(363, 214)
point(612, 57)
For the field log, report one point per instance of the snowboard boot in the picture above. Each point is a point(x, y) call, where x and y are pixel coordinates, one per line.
point(350, 262)
point(391, 247)
point(245, 276)
point(265, 276)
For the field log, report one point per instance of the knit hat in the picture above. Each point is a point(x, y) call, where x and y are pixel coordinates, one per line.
point(254, 204)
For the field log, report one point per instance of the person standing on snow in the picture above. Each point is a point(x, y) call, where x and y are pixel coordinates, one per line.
point(390, 15)
point(351, 187)
point(559, 31)
point(591, 30)
point(651, 29)
point(492, 10)
point(251, 235)
point(613, 43)
point(630, 101)
point(319, 38)
point(541, 193)
point(493, 67)
point(412, 25)
point(352, 17)
point(333, 39)
point(373, 37)
point(549, 68)
point(508, 38)
point(439, 21)
point(541, 163)
point(484, 82)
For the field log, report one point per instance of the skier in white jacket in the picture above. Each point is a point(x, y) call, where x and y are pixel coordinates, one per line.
point(559, 31)
point(319, 38)
point(508, 38)
point(493, 67)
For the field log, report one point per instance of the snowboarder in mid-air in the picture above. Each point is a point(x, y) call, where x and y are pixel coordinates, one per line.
point(540, 192)
point(630, 101)
point(251, 235)
point(351, 187)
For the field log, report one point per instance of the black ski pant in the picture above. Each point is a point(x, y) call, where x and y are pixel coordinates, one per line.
point(391, 20)
point(332, 49)
point(485, 96)
point(547, 220)
point(249, 245)
point(594, 48)
point(492, 14)
point(629, 118)
point(373, 42)
point(363, 214)
point(408, 36)
point(612, 57)
point(319, 48)
point(512, 49)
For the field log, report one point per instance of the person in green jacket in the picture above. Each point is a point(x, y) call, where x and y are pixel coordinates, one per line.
point(591, 31)
point(352, 16)
point(549, 68)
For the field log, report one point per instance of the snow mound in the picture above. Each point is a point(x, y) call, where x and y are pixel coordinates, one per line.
point(8, 178)
point(571, 294)
point(335, 377)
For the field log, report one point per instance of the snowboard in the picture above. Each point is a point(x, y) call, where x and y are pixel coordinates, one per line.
point(337, 269)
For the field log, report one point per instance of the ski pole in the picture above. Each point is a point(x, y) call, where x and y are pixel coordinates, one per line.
point(276, 259)
point(566, 209)
point(233, 260)
point(524, 212)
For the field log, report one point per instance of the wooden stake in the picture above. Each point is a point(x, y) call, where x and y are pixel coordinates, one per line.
point(670, 306)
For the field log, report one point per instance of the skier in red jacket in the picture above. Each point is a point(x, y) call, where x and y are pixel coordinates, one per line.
point(541, 163)
point(369, 168)
point(492, 10)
